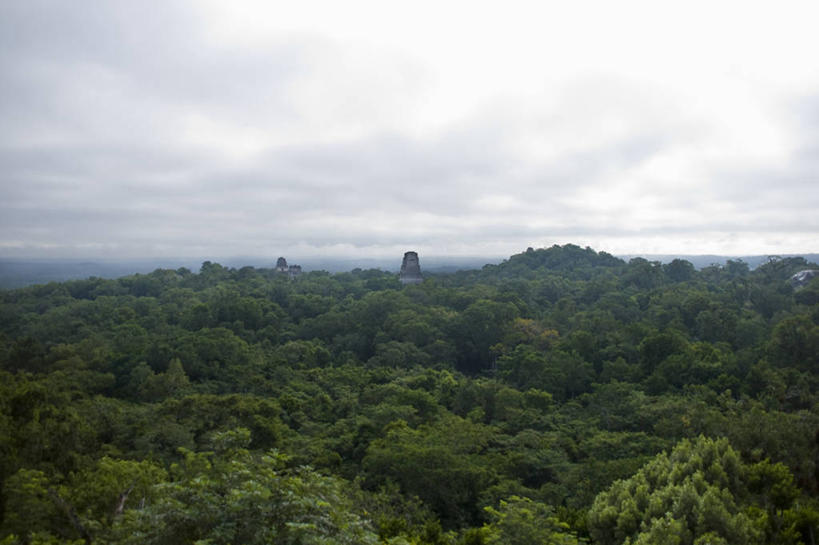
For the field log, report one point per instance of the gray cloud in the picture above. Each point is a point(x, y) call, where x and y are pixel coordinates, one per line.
point(130, 131)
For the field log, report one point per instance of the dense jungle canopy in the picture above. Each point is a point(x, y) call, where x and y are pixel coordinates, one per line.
point(563, 396)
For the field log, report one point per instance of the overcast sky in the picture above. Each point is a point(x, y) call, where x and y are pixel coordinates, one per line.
point(216, 128)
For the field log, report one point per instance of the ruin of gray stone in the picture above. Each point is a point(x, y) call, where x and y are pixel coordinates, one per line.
point(801, 279)
point(410, 269)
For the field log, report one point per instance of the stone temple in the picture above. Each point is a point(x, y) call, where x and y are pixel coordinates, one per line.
point(410, 269)
point(802, 278)
point(291, 270)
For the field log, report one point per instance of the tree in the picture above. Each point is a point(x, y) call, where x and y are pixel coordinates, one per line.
point(522, 521)
point(439, 463)
point(658, 346)
point(233, 496)
point(172, 383)
point(679, 270)
point(701, 491)
point(81, 508)
point(795, 343)
point(480, 326)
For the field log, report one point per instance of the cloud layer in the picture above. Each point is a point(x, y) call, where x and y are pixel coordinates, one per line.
point(193, 129)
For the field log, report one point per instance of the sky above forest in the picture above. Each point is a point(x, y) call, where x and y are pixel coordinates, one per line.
point(213, 128)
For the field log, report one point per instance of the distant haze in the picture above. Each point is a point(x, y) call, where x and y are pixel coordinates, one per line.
point(17, 272)
point(175, 130)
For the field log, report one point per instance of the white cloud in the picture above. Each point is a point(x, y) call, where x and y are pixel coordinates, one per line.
point(211, 128)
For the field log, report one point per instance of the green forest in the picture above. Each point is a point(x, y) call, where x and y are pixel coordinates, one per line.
point(563, 396)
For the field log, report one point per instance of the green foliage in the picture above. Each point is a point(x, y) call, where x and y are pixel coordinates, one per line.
point(795, 343)
point(525, 402)
point(521, 521)
point(701, 491)
point(82, 507)
point(233, 496)
point(439, 463)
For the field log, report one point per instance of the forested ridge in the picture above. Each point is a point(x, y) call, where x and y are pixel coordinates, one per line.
point(563, 396)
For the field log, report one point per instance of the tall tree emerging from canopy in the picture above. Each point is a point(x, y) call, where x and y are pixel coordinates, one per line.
point(700, 493)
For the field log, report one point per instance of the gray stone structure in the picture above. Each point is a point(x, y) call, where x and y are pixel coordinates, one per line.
point(294, 271)
point(290, 270)
point(410, 269)
point(801, 279)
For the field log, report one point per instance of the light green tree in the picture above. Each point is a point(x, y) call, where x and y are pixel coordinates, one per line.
point(522, 521)
point(699, 493)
